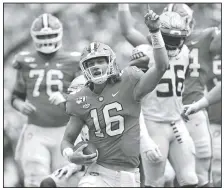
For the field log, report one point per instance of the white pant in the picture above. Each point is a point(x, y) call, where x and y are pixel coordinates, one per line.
point(38, 151)
point(175, 144)
point(99, 176)
point(217, 154)
point(198, 127)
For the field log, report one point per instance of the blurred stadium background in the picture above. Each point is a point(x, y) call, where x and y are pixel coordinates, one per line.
point(82, 23)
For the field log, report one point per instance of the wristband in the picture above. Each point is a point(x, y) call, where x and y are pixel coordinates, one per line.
point(67, 152)
point(157, 40)
point(123, 7)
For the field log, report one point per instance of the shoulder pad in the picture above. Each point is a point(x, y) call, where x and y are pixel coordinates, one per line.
point(74, 101)
point(20, 58)
point(134, 73)
point(77, 84)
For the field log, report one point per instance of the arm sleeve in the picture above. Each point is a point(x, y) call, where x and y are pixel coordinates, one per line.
point(71, 105)
point(216, 43)
point(19, 90)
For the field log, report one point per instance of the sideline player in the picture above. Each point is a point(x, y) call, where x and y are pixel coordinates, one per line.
point(40, 74)
point(104, 105)
point(203, 45)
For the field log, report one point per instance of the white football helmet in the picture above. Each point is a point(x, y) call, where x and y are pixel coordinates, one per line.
point(174, 32)
point(96, 50)
point(185, 12)
point(47, 32)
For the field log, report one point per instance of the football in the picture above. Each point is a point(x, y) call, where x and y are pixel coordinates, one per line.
point(90, 149)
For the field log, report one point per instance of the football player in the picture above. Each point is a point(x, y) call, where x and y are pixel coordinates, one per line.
point(40, 74)
point(64, 177)
point(203, 45)
point(110, 106)
point(162, 109)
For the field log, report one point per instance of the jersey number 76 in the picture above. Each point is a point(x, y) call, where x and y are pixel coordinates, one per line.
point(40, 73)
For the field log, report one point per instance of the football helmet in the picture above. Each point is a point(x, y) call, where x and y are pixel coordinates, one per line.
point(174, 32)
point(184, 11)
point(96, 50)
point(47, 32)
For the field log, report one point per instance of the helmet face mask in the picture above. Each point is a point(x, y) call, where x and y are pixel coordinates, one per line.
point(173, 44)
point(47, 32)
point(98, 73)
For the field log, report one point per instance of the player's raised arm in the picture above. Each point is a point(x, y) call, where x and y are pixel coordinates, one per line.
point(150, 79)
point(216, 43)
point(133, 36)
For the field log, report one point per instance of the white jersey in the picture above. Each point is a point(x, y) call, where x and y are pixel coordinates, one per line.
point(164, 103)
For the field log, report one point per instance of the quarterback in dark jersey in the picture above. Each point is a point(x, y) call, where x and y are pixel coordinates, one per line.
point(209, 41)
point(110, 106)
point(39, 75)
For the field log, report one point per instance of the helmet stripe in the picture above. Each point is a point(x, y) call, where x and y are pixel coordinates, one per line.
point(92, 45)
point(45, 20)
point(170, 7)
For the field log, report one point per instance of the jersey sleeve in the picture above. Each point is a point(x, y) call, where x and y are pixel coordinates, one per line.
point(20, 85)
point(77, 84)
point(18, 59)
point(71, 105)
point(19, 90)
point(134, 74)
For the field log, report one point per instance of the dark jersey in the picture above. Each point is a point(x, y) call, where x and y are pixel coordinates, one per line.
point(38, 77)
point(112, 118)
point(200, 63)
point(215, 110)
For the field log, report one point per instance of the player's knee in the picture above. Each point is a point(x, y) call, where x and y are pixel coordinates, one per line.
point(48, 182)
point(203, 149)
point(34, 175)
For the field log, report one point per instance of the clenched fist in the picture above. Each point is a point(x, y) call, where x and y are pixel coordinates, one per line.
point(152, 21)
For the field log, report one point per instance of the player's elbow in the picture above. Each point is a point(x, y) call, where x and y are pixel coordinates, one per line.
point(125, 31)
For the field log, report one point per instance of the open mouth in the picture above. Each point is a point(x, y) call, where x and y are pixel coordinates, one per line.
point(96, 72)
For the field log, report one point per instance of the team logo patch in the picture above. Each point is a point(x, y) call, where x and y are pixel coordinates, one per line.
point(29, 59)
point(81, 99)
point(86, 106)
point(24, 53)
point(33, 65)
